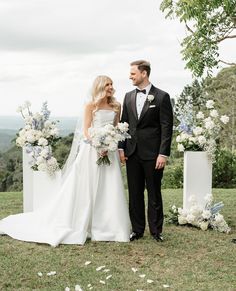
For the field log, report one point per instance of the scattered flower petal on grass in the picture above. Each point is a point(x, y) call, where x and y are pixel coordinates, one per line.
point(40, 274)
point(87, 263)
point(149, 281)
point(90, 288)
point(106, 270)
point(89, 285)
point(134, 270)
point(102, 282)
point(100, 268)
point(67, 289)
point(52, 273)
point(108, 277)
point(166, 286)
point(142, 276)
point(78, 288)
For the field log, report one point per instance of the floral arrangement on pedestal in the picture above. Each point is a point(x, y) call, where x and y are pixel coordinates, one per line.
point(198, 131)
point(37, 137)
point(106, 139)
point(207, 218)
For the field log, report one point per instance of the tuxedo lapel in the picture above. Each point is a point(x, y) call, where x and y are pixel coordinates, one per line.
point(147, 103)
point(133, 104)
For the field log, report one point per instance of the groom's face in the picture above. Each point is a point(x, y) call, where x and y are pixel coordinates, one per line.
point(137, 76)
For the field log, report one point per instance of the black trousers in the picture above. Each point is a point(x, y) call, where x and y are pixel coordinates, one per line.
point(141, 174)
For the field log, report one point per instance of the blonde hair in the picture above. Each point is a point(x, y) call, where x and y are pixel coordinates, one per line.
point(98, 93)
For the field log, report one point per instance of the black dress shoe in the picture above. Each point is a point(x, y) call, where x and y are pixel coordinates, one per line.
point(135, 235)
point(158, 237)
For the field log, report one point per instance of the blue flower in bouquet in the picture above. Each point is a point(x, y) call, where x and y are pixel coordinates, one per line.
point(199, 131)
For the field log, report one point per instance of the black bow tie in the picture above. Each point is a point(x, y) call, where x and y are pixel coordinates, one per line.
point(141, 91)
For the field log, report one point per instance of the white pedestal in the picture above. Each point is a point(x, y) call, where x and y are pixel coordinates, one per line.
point(197, 178)
point(27, 183)
point(45, 187)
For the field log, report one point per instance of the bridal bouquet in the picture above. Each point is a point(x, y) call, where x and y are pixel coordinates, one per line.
point(105, 139)
point(209, 217)
point(198, 131)
point(38, 136)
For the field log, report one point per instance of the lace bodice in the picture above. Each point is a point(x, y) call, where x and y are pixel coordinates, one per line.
point(103, 117)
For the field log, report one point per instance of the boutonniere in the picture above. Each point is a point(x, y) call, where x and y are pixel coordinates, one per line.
point(150, 98)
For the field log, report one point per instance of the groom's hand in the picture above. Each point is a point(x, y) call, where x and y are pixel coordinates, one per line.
point(160, 162)
point(123, 158)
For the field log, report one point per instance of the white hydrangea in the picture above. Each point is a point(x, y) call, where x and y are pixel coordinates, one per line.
point(210, 104)
point(224, 119)
point(214, 113)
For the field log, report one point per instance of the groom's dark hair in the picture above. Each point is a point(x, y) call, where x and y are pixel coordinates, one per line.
point(142, 66)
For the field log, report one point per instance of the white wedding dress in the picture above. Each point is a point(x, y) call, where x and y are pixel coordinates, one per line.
point(90, 204)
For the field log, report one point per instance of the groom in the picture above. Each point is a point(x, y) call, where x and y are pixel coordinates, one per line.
point(148, 111)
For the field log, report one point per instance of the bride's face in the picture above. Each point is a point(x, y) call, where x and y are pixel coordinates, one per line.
point(109, 89)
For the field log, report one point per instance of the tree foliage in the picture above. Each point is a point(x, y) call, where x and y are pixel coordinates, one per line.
point(208, 24)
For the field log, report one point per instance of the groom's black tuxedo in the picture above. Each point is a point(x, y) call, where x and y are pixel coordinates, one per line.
point(151, 135)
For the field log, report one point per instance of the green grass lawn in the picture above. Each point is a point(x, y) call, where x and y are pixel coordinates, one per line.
point(188, 259)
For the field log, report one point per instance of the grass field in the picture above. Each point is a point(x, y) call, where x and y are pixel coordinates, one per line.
point(188, 259)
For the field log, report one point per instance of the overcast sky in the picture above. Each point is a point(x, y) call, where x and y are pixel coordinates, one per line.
point(53, 49)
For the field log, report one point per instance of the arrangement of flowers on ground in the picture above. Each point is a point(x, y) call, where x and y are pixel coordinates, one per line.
point(106, 139)
point(198, 131)
point(206, 218)
point(37, 137)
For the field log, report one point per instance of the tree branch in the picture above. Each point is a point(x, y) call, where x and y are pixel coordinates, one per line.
point(227, 63)
point(225, 37)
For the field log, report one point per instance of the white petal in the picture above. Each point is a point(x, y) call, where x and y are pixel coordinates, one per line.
point(100, 268)
point(40, 274)
point(67, 289)
point(166, 286)
point(108, 277)
point(78, 288)
point(87, 263)
point(134, 270)
point(149, 281)
point(142, 276)
point(106, 270)
point(89, 285)
point(102, 282)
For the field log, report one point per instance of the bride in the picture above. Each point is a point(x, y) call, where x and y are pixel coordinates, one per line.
point(91, 202)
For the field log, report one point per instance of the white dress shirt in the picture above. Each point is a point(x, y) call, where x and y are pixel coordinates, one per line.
point(141, 98)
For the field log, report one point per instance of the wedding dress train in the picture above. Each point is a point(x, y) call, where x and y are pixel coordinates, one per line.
point(90, 204)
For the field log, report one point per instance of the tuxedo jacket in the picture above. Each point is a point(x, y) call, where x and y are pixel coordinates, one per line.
point(151, 133)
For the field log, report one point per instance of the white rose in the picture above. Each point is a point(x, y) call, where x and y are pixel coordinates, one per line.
point(42, 141)
point(54, 132)
point(197, 130)
point(30, 138)
point(27, 127)
point(40, 160)
point(44, 153)
point(123, 126)
point(180, 147)
point(201, 140)
point(182, 220)
point(150, 98)
point(42, 167)
point(200, 115)
point(206, 214)
point(214, 113)
point(20, 141)
point(209, 124)
point(210, 104)
point(224, 119)
point(204, 225)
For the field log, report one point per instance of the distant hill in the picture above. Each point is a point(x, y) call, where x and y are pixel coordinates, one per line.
point(10, 125)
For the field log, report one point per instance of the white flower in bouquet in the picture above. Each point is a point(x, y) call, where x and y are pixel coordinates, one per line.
point(195, 210)
point(40, 160)
point(182, 220)
point(209, 123)
point(202, 140)
point(224, 119)
point(200, 115)
point(204, 225)
point(42, 141)
point(180, 148)
point(44, 153)
point(42, 167)
point(206, 214)
point(105, 140)
point(208, 198)
point(214, 113)
point(198, 130)
point(210, 104)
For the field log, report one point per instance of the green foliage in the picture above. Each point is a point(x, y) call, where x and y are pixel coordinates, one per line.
point(173, 175)
point(208, 23)
point(222, 89)
point(224, 170)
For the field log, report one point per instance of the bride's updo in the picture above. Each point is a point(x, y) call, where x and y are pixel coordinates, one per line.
point(98, 93)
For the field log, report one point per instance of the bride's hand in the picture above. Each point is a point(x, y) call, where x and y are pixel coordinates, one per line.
point(104, 153)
